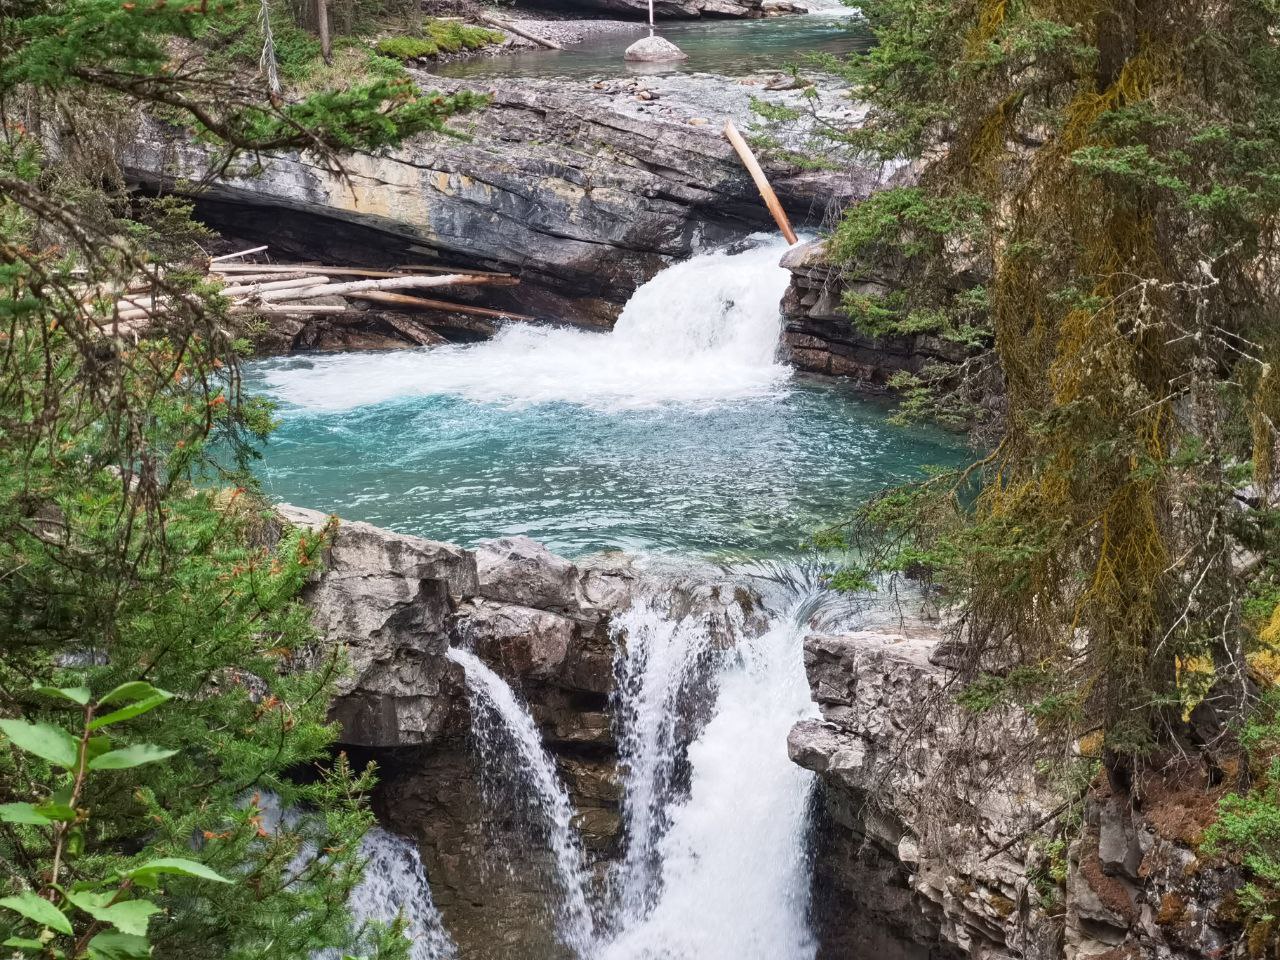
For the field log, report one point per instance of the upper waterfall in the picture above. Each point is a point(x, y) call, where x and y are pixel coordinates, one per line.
point(702, 331)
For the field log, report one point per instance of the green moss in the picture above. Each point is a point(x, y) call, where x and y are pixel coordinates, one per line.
point(406, 48)
point(438, 36)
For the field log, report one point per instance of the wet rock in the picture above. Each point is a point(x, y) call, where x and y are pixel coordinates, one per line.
point(519, 641)
point(520, 570)
point(386, 599)
point(654, 50)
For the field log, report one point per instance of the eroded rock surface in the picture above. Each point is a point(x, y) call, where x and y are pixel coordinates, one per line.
point(820, 337)
point(395, 604)
point(577, 186)
point(928, 843)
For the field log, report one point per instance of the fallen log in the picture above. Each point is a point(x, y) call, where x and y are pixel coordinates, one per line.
point(520, 32)
point(393, 283)
point(237, 254)
point(424, 303)
point(762, 182)
point(429, 268)
point(257, 289)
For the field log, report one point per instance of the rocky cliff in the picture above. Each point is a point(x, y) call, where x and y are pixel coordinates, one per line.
point(937, 826)
point(585, 189)
point(819, 336)
point(395, 604)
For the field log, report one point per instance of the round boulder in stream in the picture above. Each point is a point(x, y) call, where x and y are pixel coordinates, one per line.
point(654, 50)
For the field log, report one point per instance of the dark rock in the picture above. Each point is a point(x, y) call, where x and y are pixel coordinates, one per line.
point(820, 337)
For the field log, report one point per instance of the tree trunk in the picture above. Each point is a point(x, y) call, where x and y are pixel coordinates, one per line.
point(322, 25)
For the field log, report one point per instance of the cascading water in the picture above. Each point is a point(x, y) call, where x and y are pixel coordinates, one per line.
point(679, 431)
point(702, 331)
point(499, 720)
point(717, 871)
point(395, 885)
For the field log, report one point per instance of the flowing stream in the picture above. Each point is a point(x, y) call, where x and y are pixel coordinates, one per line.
point(681, 434)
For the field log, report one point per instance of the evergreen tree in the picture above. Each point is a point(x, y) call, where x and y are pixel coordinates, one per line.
point(133, 549)
point(1097, 205)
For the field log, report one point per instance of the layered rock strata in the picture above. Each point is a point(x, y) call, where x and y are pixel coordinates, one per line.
point(819, 337)
point(582, 190)
point(936, 824)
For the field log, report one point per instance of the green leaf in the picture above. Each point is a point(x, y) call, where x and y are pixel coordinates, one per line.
point(24, 943)
point(134, 756)
point(186, 868)
point(22, 813)
point(113, 945)
point(56, 811)
point(38, 909)
point(45, 741)
point(131, 711)
point(131, 692)
point(78, 695)
point(128, 916)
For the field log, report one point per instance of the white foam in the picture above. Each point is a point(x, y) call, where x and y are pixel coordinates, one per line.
point(704, 331)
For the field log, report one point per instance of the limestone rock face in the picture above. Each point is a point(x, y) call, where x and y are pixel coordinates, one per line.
point(925, 848)
point(820, 338)
point(654, 50)
point(520, 570)
point(387, 600)
point(566, 185)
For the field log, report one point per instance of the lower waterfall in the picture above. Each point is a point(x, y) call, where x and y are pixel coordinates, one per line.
point(395, 885)
point(725, 874)
point(499, 719)
point(716, 861)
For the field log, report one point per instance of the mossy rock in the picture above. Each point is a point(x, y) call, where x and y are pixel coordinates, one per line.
point(438, 36)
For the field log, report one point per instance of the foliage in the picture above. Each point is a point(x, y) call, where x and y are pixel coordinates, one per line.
point(1247, 830)
point(1099, 201)
point(106, 918)
point(133, 546)
point(439, 36)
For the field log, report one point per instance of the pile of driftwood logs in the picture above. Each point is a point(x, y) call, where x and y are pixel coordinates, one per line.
point(265, 289)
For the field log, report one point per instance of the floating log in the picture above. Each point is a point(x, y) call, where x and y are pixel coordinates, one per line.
point(424, 303)
point(762, 182)
point(519, 32)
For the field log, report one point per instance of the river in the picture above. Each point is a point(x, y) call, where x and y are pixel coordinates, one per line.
point(729, 48)
point(683, 434)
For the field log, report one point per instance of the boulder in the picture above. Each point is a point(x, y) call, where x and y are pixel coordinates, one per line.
point(517, 641)
point(654, 50)
point(386, 600)
point(523, 571)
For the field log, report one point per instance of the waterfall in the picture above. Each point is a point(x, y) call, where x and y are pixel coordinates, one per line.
point(721, 866)
point(395, 884)
point(657, 675)
point(704, 331)
point(499, 719)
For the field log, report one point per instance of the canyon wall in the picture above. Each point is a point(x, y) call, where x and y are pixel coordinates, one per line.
point(937, 821)
point(584, 189)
